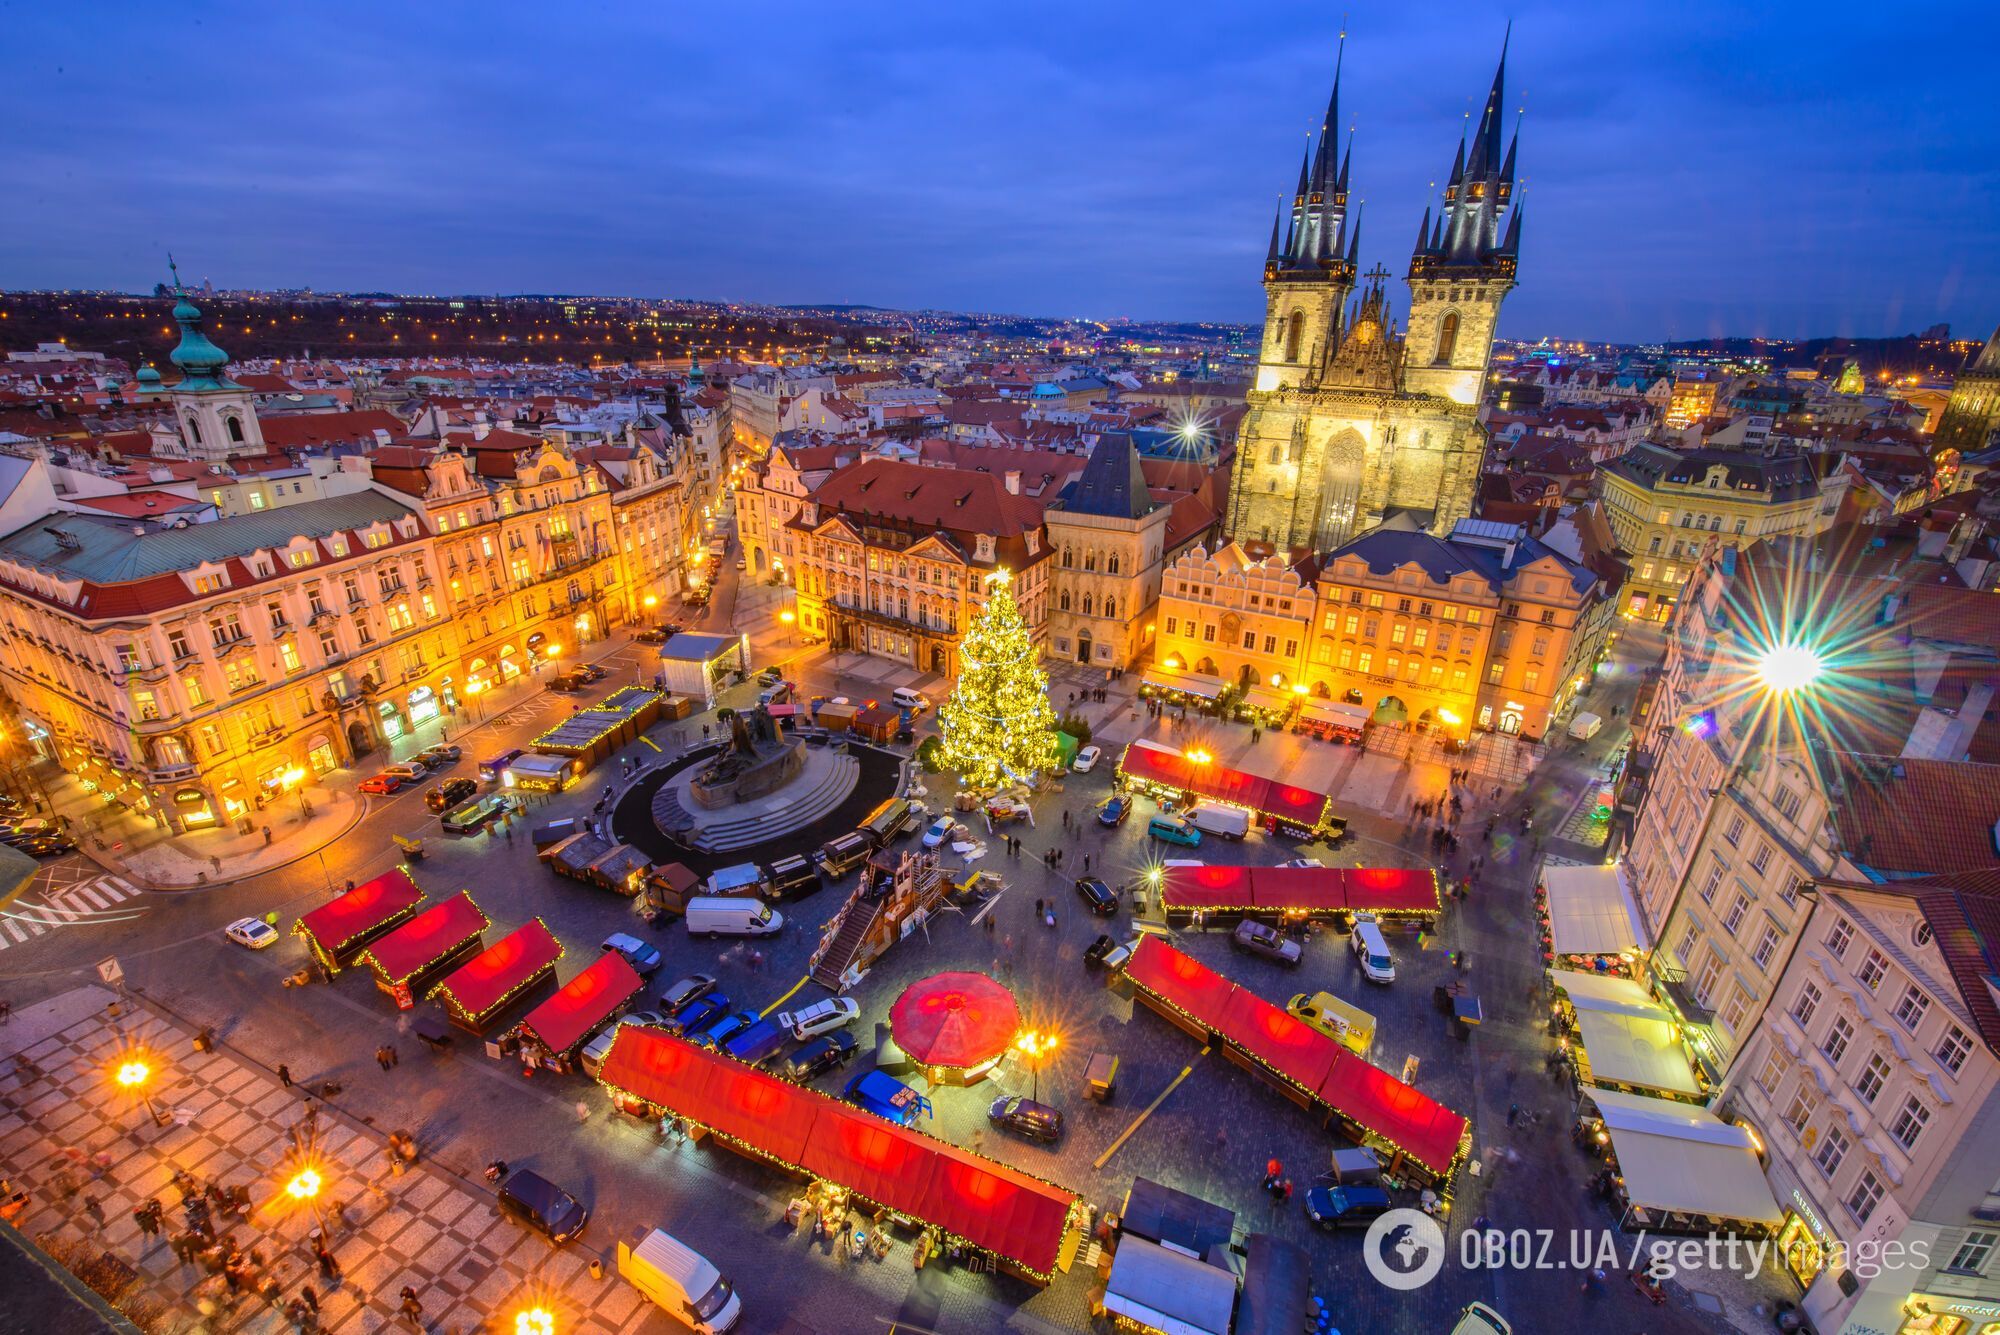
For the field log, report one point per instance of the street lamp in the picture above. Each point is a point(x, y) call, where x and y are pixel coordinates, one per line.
point(1036, 1047)
point(305, 1188)
point(133, 1076)
point(1789, 666)
point(294, 779)
point(534, 1321)
point(789, 617)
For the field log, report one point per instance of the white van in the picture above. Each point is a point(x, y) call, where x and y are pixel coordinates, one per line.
point(1479, 1319)
point(1584, 726)
point(680, 1280)
point(1371, 950)
point(1219, 818)
point(734, 915)
point(905, 698)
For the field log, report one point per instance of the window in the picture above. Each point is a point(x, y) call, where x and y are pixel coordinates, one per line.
point(1734, 918)
point(1714, 880)
point(1834, 1045)
point(1447, 338)
point(1173, 626)
point(1733, 832)
point(1912, 1009)
point(1397, 632)
point(1873, 970)
point(288, 653)
point(1787, 802)
point(1832, 1149)
point(1973, 1254)
point(1862, 1200)
point(1295, 329)
point(197, 693)
point(177, 644)
point(1767, 946)
point(1704, 986)
point(1799, 1112)
point(1952, 1050)
point(240, 674)
point(226, 629)
point(1689, 937)
point(1771, 1072)
point(1910, 1122)
point(298, 560)
point(1761, 859)
point(1838, 936)
point(1731, 1016)
point(1873, 1076)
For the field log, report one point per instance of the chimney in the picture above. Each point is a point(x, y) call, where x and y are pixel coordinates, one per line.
point(480, 429)
point(1013, 482)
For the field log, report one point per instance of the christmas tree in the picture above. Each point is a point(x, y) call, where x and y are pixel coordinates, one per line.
point(998, 724)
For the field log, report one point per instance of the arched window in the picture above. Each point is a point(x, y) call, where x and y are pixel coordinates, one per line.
point(1275, 455)
point(1063, 598)
point(1110, 606)
point(194, 429)
point(1295, 331)
point(1089, 558)
point(1069, 559)
point(1086, 604)
point(235, 425)
point(1111, 563)
point(1447, 338)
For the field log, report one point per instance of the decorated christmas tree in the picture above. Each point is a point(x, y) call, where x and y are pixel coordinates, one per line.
point(998, 724)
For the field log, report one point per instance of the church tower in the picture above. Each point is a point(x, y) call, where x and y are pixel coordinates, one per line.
point(1463, 264)
point(1972, 413)
point(214, 417)
point(1309, 266)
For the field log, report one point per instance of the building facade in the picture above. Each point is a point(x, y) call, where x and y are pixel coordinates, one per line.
point(1349, 421)
point(1108, 539)
point(1236, 616)
point(1972, 413)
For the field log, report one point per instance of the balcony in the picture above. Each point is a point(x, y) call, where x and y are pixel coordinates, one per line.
point(172, 773)
point(1681, 992)
point(890, 619)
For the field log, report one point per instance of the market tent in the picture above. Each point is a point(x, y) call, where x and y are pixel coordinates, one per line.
point(1162, 1290)
point(1627, 1038)
point(958, 1020)
point(1162, 678)
point(1179, 980)
point(1681, 1158)
point(1591, 911)
point(475, 991)
point(1339, 713)
point(426, 939)
point(1391, 889)
point(1281, 1043)
point(1299, 889)
point(1174, 1219)
point(1270, 700)
point(974, 1198)
point(1403, 1116)
point(1277, 1287)
point(340, 925)
point(1301, 806)
point(584, 1002)
point(1205, 887)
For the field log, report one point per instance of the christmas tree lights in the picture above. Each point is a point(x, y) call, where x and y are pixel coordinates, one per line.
point(998, 726)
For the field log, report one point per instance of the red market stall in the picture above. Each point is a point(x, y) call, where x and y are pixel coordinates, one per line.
point(956, 1025)
point(336, 931)
point(558, 1026)
point(480, 989)
point(1017, 1219)
point(1309, 1068)
point(425, 947)
point(1393, 891)
point(1300, 892)
point(1168, 774)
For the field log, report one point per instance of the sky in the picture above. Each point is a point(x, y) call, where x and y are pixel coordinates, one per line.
point(1688, 169)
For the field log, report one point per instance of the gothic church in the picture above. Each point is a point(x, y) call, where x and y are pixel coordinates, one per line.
point(1351, 420)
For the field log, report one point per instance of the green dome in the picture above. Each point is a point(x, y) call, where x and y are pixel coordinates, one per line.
point(148, 375)
point(195, 355)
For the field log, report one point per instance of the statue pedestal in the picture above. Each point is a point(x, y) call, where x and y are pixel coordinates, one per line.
point(738, 778)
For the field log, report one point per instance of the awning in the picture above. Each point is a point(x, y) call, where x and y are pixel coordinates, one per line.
point(1591, 910)
point(1150, 762)
point(1401, 1115)
point(1627, 1037)
point(1165, 1291)
point(1391, 889)
point(1279, 1041)
point(1300, 889)
point(1162, 678)
point(1338, 713)
point(1683, 1159)
point(476, 991)
point(1206, 887)
point(993, 1207)
point(369, 908)
point(1277, 1287)
point(1179, 980)
point(584, 1002)
point(1269, 700)
point(426, 939)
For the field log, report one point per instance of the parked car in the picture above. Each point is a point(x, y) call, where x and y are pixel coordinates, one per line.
point(693, 1016)
point(1026, 1118)
point(543, 1206)
point(1174, 830)
point(820, 1056)
point(595, 1051)
point(939, 831)
point(637, 953)
point(819, 1018)
point(1345, 1207)
point(681, 1281)
point(887, 1097)
point(449, 794)
point(32, 827)
point(567, 683)
point(1257, 939)
point(410, 771)
point(47, 845)
point(1086, 759)
point(1371, 950)
point(683, 990)
point(717, 1032)
point(905, 698)
point(590, 672)
point(251, 933)
point(1479, 1319)
point(758, 1044)
point(1101, 898)
point(1104, 953)
point(777, 693)
point(384, 782)
point(769, 676)
point(651, 635)
point(1114, 809)
point(443, 754)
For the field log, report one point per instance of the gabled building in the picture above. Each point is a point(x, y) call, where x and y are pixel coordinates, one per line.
point(1109, 539)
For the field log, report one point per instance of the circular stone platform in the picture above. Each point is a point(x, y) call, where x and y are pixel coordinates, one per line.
point(822, 783)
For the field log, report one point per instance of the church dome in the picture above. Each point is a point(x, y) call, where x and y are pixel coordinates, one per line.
point(195, 355)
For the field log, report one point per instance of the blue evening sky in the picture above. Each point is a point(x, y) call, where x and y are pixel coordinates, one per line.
point(1690, 168)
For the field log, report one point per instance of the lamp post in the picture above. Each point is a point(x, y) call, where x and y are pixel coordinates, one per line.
point(134, 1076)
point(474, 688)
point(305, 1188)
point(1036, 1047)
point(294, 781)
point(790, 618)
point(534, 1321)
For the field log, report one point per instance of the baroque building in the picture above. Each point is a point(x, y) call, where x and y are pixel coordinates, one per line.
point(1972, 413)
point(1351, 420)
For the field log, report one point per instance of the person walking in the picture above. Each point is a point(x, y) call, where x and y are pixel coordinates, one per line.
point(395, 1058)
point(310, 1297)
point(411, 1308)
point(381, 1059)
point(329, 1269)
point(284, 1075)
point(94, 1208)
point(143, 1217)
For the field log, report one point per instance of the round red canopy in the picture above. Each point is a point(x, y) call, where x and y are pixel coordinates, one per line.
point(955, 1020)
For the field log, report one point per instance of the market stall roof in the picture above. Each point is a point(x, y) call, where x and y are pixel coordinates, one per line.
point(1337, 711)
point(1681, 1157)
point(990, 1205)
point(1628, 1039)
point(1605, 992)
point(1165, 1291)
point(485, 982)
point(694, 647)
point(341, 922)
point(584, 1002)
point(1283, 1043)
point(1181, 981)
point(1184, 1223)
point(1303, 889)
point(1277, 1287)
point(1269, 699)
point(426, 938)
point(676, 877)
point(1205, 887)
point(1591, 910)
point(1404, 1116)
point(958, 1019)
point(1188, 683)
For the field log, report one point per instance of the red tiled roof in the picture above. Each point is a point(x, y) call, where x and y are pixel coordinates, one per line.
point(1902, 817)
point(934, 497)
point(287, 431)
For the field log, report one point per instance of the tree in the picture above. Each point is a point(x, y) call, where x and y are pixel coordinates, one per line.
point(998, 725)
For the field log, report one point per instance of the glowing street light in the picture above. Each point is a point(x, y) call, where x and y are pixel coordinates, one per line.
point(1036, 1047)
point(534, 1321)
point(1200, 757)
point(1789, 666)
point(305, 1185)
point(134, 1076)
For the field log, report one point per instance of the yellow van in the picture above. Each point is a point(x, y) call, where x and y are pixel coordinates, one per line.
point(1345, 1023)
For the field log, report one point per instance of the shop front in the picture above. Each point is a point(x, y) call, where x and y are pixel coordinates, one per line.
point(320, 756)
point(423, 705)
point(390, 720)
point(193, 810)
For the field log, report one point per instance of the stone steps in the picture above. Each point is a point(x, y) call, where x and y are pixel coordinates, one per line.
point(832, 787)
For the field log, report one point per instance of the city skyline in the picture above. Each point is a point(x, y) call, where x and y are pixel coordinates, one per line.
point(848, 176)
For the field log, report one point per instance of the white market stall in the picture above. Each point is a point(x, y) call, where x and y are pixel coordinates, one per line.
point(1153, 1288)
point(695, 665)
point(1628, 1040)
point(1591, 911)
point(1682, 1168)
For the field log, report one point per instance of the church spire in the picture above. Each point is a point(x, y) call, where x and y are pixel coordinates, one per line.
point(1271, 255)
point(1326, 164)
point(1486, 143)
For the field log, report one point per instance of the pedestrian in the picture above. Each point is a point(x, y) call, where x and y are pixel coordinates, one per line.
point(411, 1308)
point(382, 1058)
point(582, 1111)
point(1272, 1171)
point(1086, 864)
point(284, 1075)
point(329, 1269)
point(1221, 1139)
point(1040, 904)
point(350, 887)
point(146, 1219)
point(395, 1058)
point(267, 836)
point(1513, 1111)
point(310, 1297)
point(216, 864)
point(94, 1208)
point(1285, 1191)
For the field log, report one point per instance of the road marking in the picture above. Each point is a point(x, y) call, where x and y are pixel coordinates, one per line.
point(1138, 1121)
point(649, 741)
point(782, 1000)
point(14, 928)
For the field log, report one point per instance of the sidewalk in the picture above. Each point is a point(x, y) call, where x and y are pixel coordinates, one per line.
point(229, 1121)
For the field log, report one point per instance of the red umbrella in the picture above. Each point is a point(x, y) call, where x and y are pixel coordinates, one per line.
point(955, 1020)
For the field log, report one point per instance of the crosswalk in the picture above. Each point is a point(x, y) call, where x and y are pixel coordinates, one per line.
point(86, 903)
